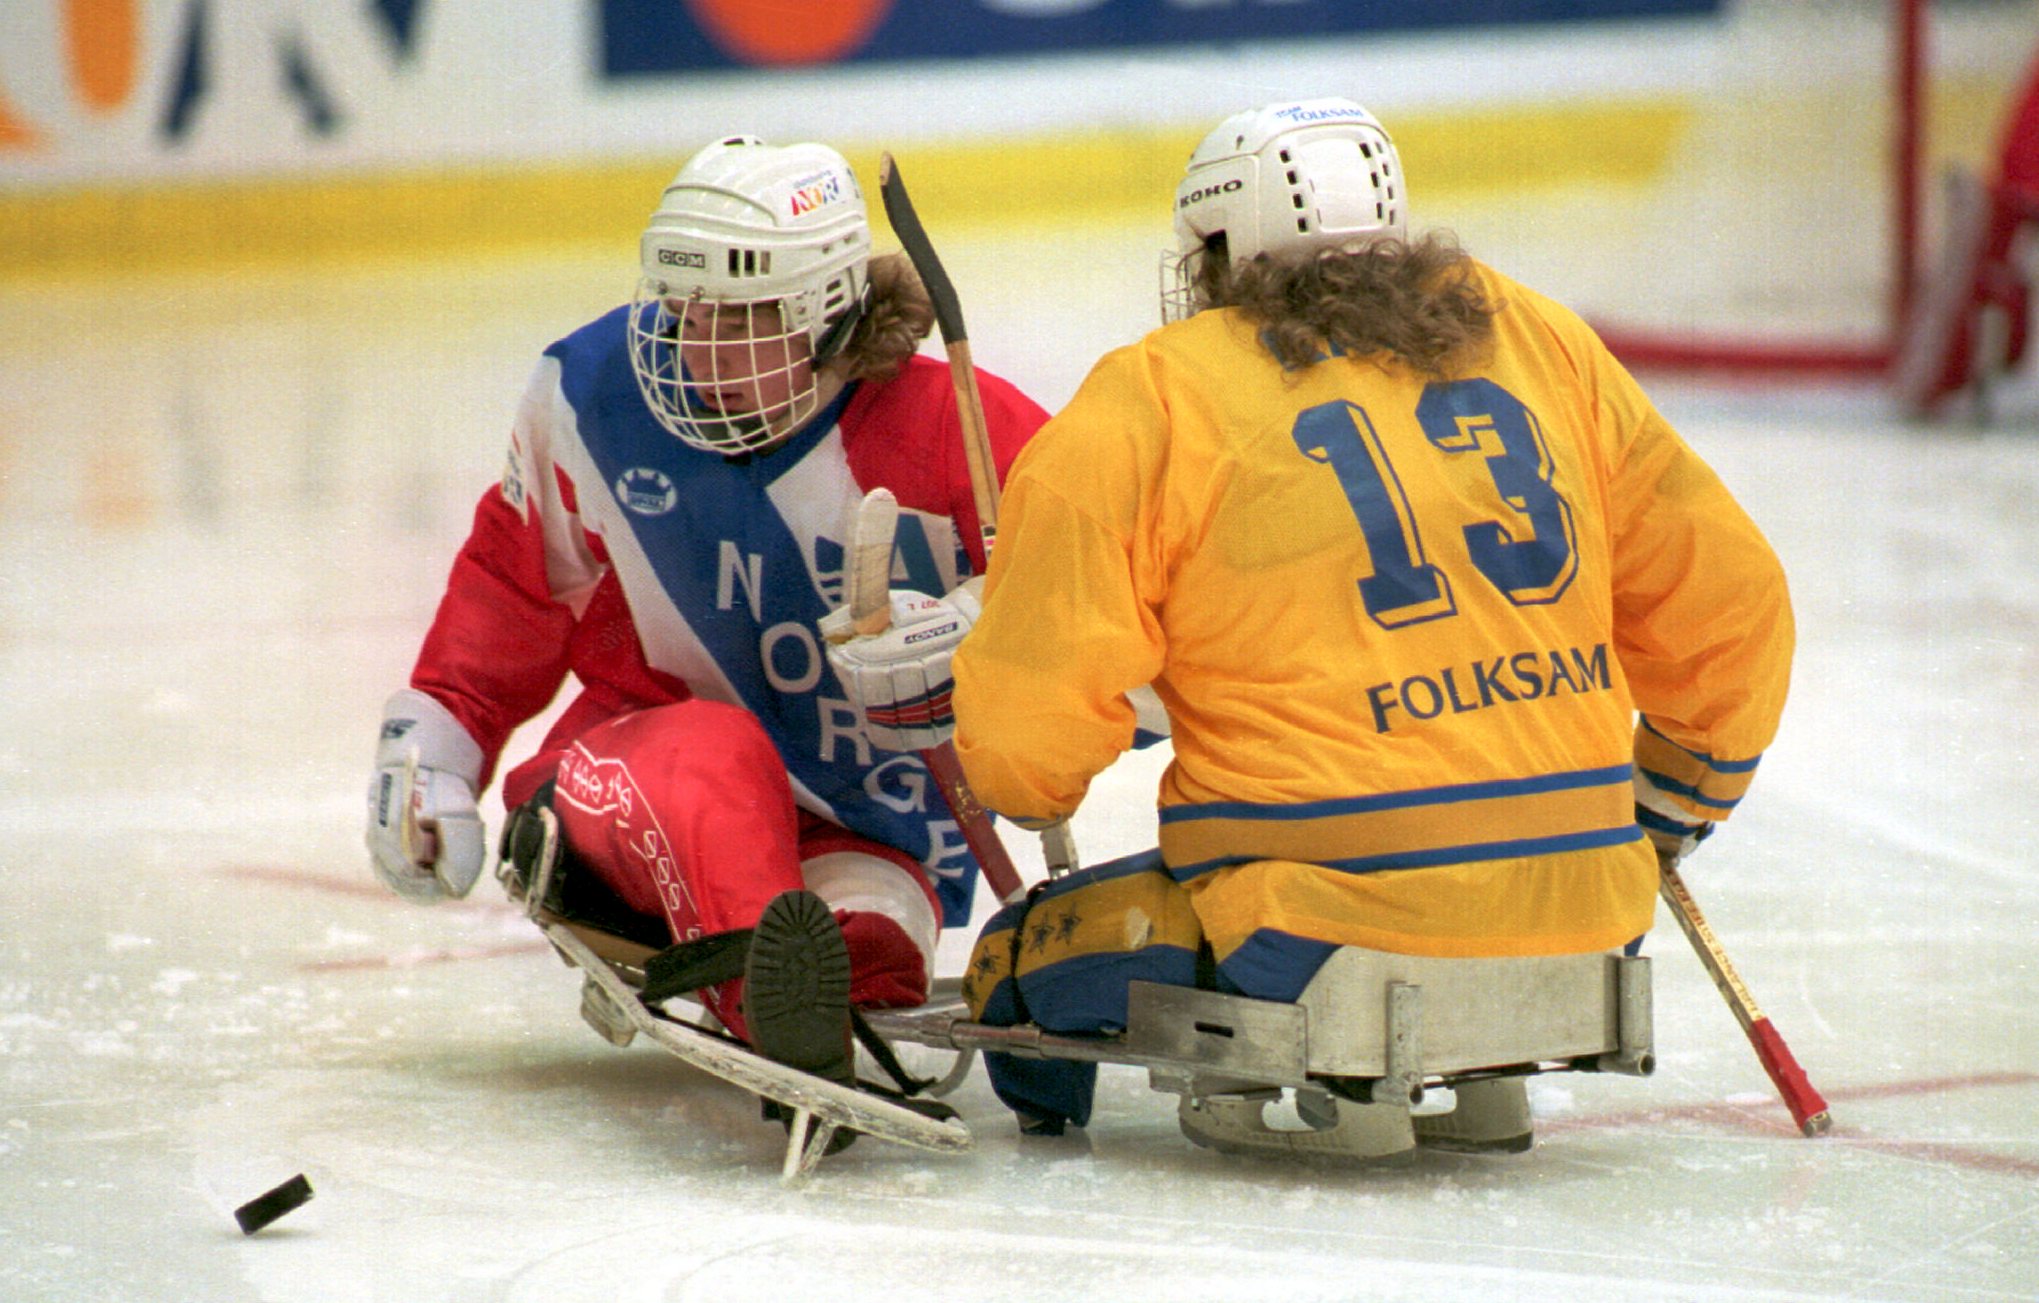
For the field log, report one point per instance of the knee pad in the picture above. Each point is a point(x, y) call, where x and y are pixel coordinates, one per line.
point(1064, 956)
point(1063, 959)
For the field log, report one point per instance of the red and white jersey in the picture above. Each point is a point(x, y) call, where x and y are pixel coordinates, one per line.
point(656, 572)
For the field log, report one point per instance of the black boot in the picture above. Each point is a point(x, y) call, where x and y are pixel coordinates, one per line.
point(796, 988)
point(796, 995)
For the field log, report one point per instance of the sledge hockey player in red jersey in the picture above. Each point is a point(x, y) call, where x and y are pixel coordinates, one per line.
point(671, 529)
point(1404, 552)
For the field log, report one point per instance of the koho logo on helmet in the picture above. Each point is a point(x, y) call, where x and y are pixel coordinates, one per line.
point(682, 258)
point(1210, 192)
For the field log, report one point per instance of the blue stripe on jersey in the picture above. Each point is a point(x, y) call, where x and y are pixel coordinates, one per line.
point(1147, 861)
point(1400, 800)
point(1468, 853)
point(1718, 766)
point(1666, 783)
point(719, 520)
point(1654, 822)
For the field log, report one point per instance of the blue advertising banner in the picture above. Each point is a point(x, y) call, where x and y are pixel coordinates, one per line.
point(655, 37)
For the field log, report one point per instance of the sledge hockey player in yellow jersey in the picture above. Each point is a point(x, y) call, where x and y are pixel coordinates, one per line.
point(1404, 552)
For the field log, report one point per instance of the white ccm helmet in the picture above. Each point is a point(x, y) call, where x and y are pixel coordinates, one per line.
point(1286, 179)
point(773, 245)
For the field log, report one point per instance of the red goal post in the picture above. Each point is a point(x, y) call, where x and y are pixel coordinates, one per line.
point(1876, 127)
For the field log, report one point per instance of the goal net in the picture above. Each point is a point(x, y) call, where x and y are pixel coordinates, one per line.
point(1785, 224)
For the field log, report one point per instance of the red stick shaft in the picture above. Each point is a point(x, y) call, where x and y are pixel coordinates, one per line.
point(975, 821)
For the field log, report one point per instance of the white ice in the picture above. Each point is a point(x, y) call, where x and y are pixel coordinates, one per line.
point(227, 505)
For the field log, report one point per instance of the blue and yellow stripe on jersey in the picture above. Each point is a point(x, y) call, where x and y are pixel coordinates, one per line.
point(1419, 828)
point(1675, 783)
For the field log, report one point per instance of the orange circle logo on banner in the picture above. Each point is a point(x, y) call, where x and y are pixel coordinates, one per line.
point(789, 31)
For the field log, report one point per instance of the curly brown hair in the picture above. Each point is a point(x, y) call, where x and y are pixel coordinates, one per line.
point(1418, 301)
point(897, 317)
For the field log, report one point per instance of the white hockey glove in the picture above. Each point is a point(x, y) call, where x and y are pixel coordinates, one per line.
point(435, 849)
point(1674, 838)
point(899, 680)
point(1675, 846)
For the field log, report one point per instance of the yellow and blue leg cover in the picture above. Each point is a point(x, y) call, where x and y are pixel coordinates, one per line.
point(1062, 959)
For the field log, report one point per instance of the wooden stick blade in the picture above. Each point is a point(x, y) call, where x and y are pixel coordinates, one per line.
point(920, 250)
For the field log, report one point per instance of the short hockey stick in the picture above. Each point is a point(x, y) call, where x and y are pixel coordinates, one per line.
point(1808, 1107)
point(1058, 847)
point(867, 582)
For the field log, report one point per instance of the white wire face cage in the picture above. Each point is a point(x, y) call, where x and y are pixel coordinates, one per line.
point(1178, 279)
point(723, 376)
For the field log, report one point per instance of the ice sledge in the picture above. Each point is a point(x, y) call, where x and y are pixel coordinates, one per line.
point(1355, 1056)
point(1371, 1034)
point(610, 948)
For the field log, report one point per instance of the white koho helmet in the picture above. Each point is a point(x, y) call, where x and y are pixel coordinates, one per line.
point(1286, 179)
point(756, 227)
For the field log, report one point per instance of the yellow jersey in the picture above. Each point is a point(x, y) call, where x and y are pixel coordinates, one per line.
point(1402, 626)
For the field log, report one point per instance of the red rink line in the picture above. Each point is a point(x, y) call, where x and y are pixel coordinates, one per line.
point(416, 959)
point(364, 889)
point(1769, 1119)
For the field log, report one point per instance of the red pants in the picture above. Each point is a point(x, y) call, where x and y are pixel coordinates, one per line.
point(686, 811)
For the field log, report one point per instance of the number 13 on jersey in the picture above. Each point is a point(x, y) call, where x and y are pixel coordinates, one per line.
point(1530, 559)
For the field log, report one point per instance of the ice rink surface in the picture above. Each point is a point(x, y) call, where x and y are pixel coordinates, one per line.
point(227, 505)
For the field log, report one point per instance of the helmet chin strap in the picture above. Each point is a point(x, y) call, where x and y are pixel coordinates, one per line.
point(837, 336)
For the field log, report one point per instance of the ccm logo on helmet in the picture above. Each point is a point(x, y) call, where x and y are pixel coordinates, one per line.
point(1209, 192)
point(682, 258)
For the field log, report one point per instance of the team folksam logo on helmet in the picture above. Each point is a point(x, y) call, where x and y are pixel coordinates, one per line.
point(647, 491)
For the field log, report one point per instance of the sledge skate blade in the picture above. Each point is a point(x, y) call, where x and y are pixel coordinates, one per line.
point(830, 1104)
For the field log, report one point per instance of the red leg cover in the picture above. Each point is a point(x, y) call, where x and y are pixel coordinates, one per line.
point(886, 968)
point(684, 811)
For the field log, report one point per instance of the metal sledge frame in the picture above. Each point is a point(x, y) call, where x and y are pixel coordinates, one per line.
point(626, 958)
point(613, 972)
point(1372, 1028)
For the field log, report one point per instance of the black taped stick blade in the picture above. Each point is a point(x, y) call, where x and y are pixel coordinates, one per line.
point(264, 1209)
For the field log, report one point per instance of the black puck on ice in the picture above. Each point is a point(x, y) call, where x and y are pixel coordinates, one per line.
point(264, 1209)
